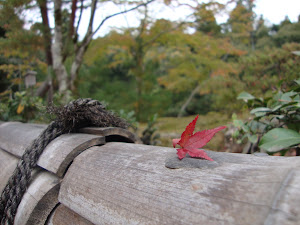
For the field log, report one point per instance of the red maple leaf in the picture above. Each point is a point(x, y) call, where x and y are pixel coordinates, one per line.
point(190, 143)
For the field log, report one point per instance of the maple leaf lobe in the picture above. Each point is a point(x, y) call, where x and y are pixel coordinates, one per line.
point(188, 132)
point(175, 142)
point(201, 138)
point(181, 153)
point(199, 153)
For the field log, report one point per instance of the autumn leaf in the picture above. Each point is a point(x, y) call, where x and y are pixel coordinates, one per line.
point(190, 143)
point(20, 108)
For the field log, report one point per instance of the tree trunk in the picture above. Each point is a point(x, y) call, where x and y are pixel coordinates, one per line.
point(57, 46)
point(139, 102)
point(139, 75)
point(46, 30)
point(72, 19)
point(187, 102)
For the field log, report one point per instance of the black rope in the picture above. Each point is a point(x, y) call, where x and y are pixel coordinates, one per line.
point(77, 114)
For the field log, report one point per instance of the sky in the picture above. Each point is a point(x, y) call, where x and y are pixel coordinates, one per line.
point(276, 10)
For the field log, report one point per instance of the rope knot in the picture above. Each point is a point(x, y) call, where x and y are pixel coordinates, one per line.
point(85, 112)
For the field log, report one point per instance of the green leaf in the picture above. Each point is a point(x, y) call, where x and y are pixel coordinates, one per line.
point(286, 97)
point(278, 139)
point(260, 111)
point(245, 128)
point(236, 134)
point(276, 108)
point(252, 138)
point(260, 114)
point(245, 96)
point(238, 123)
point(256, 127)
point(297, 98)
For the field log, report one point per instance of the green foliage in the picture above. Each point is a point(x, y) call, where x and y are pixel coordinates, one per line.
point(201, 104)
point(276, 35)
point(111, 86)
point(275, 125)
point(20, 51)
point(262, 70)
point(287, 33)
point(22, 107)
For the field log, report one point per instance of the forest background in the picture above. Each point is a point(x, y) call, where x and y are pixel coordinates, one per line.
point(160, 69)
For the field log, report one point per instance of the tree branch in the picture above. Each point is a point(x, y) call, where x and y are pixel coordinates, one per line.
point(187, 102)
point(119, 13)
point(79, 19)
point(143, 23)
point(72, 18)
point(93, 9)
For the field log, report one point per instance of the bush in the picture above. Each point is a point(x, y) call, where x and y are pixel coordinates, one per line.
point(275, 124)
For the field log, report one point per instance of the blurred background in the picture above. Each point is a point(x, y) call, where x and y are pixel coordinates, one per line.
point(158, 64)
